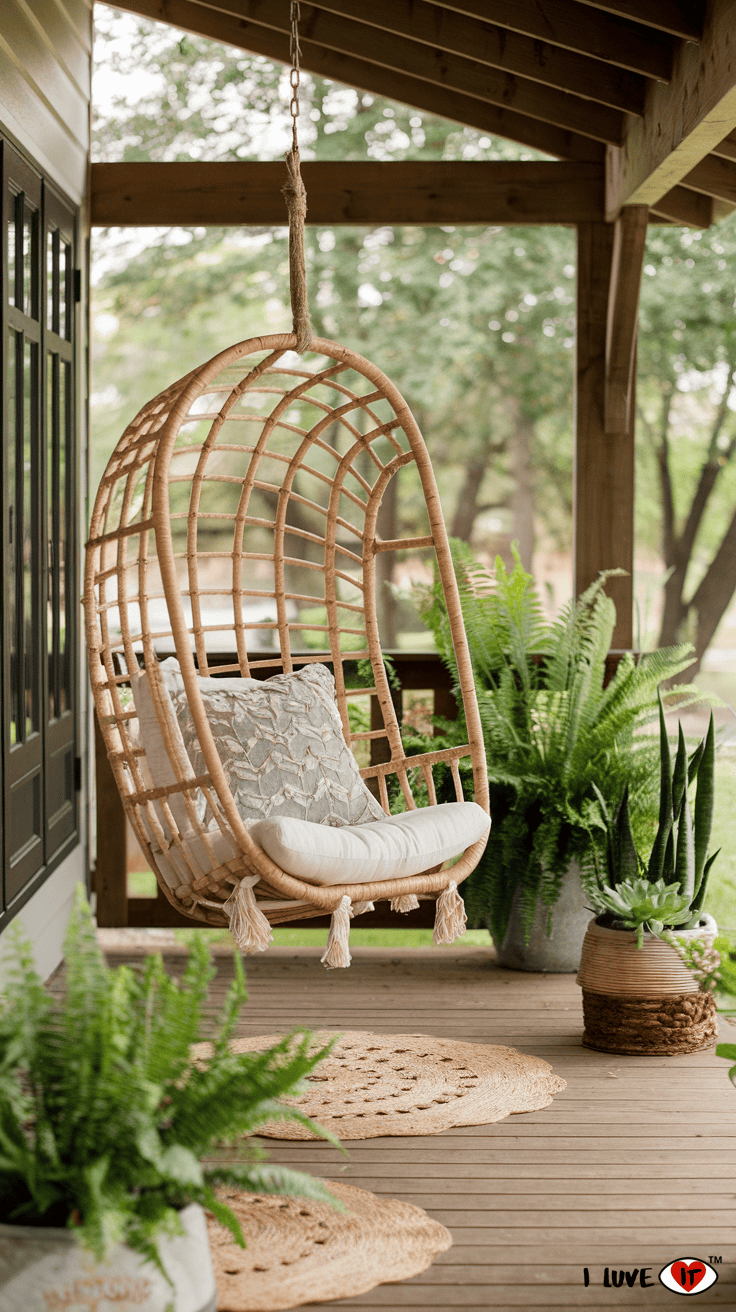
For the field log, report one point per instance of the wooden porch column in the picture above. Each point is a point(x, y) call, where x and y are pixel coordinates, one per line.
point(609, 275)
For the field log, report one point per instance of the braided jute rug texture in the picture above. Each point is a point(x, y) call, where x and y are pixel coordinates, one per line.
point(302, 1251)
point(404, 1084)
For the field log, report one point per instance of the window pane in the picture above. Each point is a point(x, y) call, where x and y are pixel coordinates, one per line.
point(66, 292)
point(52, 605)
point(30, 262)
point(29, 541)
point(52, 281)
point(10, 530)
point(12, 252)
point(64, 546)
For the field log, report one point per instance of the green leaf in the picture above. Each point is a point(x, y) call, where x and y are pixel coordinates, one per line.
point(685, 854)
point(704, 796)
point(657, 858)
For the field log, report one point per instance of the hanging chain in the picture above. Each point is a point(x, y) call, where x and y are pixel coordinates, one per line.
point(296, 201)
point(294, 78)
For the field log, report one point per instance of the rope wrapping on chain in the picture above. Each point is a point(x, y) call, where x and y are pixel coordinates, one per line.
point(295, 195)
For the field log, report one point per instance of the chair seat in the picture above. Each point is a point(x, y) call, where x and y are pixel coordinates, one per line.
point(394, 848)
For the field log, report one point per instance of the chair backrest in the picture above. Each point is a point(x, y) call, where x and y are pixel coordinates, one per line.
point(242, 502)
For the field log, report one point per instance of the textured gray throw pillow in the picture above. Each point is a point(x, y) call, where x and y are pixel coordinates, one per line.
point(282, 749)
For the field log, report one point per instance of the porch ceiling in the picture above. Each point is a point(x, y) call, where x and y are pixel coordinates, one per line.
point(646, 87)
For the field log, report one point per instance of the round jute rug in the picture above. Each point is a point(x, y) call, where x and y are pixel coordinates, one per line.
point(301, 1251)
point(405, 1084)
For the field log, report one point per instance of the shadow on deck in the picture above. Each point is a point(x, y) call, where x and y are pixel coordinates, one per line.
point(632, 1166)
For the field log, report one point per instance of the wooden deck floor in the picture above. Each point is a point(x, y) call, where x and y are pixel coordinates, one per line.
point(632, 1166)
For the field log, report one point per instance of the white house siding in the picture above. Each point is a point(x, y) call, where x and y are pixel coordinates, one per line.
point(45, 76)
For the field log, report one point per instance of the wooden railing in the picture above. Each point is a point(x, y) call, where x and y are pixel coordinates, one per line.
point(417, 671)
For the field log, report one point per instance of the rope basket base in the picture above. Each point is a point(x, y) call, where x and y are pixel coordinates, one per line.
point(302, 1251)
point(373, 1085)
point(667, 1026)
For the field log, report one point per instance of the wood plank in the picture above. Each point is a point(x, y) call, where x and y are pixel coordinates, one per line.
point(715, 177)
point(603, 508)
point(629, 241)
point(364, 192)
point(564, 23)
point(29, 50)
point(726, 149)
point(683, 121)
point(509, 51)
point(679, 17)
point(64, 40)
point(686, 207)
point(409, 78)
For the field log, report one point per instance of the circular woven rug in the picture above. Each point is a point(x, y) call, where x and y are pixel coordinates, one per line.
point(301, 1251)
point(402, 1084)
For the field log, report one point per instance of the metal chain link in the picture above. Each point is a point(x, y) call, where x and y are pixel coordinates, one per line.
point(295, 54)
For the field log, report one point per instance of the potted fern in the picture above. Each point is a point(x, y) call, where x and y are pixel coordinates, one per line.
point(104, 1121)
point(553, 734)
point(639, 994)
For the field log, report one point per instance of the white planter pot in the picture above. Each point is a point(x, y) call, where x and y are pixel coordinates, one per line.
point(558, 952)
point(644, 1000)
point(45, 1270)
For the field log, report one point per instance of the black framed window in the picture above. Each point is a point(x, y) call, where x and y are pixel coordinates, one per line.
point(39, 500)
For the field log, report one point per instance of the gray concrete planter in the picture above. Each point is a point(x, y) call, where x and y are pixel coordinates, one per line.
point(559, 952)
point(44, 1269)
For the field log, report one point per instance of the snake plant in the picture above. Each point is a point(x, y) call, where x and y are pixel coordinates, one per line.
point(667, 892)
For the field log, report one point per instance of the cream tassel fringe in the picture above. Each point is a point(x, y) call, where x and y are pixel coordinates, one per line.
point(338, 939)
point(248, 925)
point(360, 908)
point(407, 902)
point(450, 918)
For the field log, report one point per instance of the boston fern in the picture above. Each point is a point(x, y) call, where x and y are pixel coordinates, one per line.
point(104, 1119)
point(552, 733)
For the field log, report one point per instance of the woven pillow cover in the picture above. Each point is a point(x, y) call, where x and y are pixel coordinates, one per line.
point(282, 748)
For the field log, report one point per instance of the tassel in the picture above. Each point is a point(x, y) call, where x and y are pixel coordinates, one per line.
point(360, 908)
point(450, 918)
point(407, 902)
point(248, 925)
point(338, 939)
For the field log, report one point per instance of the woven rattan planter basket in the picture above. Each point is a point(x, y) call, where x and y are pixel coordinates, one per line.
point(643, 1001)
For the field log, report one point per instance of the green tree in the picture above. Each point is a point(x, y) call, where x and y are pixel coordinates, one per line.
point(687, 398)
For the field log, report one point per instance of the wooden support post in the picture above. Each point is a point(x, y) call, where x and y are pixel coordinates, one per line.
point(629, 239)
point(603, 515)
point(111, 877)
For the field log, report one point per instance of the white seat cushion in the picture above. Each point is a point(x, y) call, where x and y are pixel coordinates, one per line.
point(393, 848)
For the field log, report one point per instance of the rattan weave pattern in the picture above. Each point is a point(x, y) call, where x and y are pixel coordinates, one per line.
point(256, 481)
point(373, 1085)
point(300, 1251)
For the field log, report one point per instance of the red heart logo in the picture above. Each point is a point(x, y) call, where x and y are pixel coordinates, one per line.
point(688, 1274)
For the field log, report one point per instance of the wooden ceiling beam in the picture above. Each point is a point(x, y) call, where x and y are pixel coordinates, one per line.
point(680, 18)
point(511, 52)
point(715, 177)
point(366, 192)
point(683, 121)
point(687, 208)
point(726, 149)
point(567, 24)
point(324, 31)
point(495, 120)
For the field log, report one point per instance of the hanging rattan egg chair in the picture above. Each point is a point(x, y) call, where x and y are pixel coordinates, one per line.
point(240, 507)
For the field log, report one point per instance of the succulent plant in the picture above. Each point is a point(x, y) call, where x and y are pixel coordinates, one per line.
point(668, 891)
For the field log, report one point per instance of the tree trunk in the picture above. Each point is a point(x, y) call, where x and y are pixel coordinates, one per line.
point(387, 528)
point(712, 597)
point(468, 507)
point(522, 498)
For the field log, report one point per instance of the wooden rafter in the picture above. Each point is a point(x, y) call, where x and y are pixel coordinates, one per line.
point(679, 17)
point(689, 208)
point(684, 121)
point(567, 24)
point(342, 37)
point(726, 149)
point(498, 121)
point(715, 177)
point(352, 192)
point(485, 43)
